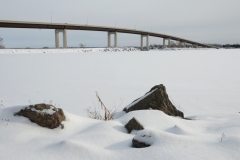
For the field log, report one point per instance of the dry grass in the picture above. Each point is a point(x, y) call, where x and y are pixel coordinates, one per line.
point(103, 113)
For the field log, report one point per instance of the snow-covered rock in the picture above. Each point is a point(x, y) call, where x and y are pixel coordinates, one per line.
point(44, 115)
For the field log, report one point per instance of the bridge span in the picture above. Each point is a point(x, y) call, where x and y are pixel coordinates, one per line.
point(63, 27)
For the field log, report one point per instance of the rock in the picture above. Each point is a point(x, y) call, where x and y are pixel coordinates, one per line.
point(44, 115)
point(133, 124)
point(137, 144)
point(143, 139)
point(156, 99)
point(41, 106)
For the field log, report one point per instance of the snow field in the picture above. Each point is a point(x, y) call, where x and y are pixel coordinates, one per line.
point(204, 84)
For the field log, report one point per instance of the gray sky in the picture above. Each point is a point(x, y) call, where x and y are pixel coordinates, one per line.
point(206, 21)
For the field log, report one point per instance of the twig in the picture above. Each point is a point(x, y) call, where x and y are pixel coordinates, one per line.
point(223, 135)
point(107, 113)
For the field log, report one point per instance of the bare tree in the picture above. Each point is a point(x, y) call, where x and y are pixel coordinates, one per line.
point(179, 44)
point(151, 46)
point(173, 44)
point(1, 43)
point(82, 45)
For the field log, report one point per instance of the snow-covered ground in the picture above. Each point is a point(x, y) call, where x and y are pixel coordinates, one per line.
point(204, 84)
point(69, 50)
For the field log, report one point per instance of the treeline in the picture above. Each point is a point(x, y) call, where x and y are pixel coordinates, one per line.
point(226, 45)
point(231, 46)
point(180, 45)
point(1, 43)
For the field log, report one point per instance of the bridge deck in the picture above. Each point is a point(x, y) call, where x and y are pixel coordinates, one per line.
point(46, 25)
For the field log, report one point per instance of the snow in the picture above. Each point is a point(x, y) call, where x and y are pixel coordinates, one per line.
point(76, 50)
point(49, 111)
point(138, 100)
point(204, 84)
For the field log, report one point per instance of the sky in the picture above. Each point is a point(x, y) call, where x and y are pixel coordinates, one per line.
point(204, 21)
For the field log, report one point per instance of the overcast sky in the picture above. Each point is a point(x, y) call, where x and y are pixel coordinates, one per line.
point(205, 21)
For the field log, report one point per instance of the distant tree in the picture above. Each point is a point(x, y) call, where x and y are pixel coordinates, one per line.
point(178, 44)
point(155, 45)
point(217, 45)
point(159, 46)
point(82, 45)
point(151, 46)
point(231, 46)
point(1, 43)
point(172, 44)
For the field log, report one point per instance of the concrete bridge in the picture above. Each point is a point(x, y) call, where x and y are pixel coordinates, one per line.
point(63, 27)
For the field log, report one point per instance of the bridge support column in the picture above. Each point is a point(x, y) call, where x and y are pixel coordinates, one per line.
point(64, 31)
point(147, 41)
point(195, 45)
point(163, 42)
point(184, 44)
point(115, 39)
point(64, 38)
point(169, 42)
point(56, 39)
point(180, 44)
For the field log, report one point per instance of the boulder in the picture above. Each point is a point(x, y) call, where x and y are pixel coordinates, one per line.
point(44, 115)
point(143, 139)
point(133, 124)
point(156, 99)
point(137, 144)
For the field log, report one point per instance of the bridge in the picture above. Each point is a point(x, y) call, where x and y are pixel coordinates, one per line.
point(63, 27)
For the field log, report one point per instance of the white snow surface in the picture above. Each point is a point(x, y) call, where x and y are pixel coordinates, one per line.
point(49, 111)
point(204, 84)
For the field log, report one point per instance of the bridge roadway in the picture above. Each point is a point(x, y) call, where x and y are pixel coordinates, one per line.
point(62, 27)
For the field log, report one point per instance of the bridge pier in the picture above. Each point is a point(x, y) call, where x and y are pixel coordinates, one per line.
point(64, 31)
point(56, 39)
point(169, 44)
point(64, 38)
point(115, 39)
point(147, 41)
point(164, 39)
point(184, 44)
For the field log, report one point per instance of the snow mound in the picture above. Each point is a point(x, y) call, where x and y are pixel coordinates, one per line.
point(176, 130)
point(86, 138)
